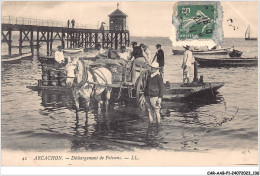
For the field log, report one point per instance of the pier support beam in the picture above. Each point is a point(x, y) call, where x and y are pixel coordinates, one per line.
point(21, 42)
point(116, 40)
point(10, 42)
point(38, 42)
point(63, 39)
point(31, 42)
point(96, 39)
point(48, 43)
point(51, 41)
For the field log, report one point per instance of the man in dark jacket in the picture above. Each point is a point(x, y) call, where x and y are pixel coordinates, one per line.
point(154, 93)
point(159, 56)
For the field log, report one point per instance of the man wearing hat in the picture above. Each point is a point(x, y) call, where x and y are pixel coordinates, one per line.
point(186, 64)
point(154, 93)
point(159, 56)
point(59, 57)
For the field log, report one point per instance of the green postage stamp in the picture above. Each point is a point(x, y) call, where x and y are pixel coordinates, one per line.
point(196, 21)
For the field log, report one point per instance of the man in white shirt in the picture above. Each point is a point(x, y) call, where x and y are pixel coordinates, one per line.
point(59, 56)
point(123, 54)
point(186, 64)
point(146, 53)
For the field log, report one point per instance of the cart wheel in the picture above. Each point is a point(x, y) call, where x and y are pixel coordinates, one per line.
point(140, 87)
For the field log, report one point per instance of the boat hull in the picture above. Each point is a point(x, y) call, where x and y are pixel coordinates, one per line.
point(214, 52)
point(250, 38)
point(227, 62)
point(15, 59)
point(235, 54)
point(72, 51)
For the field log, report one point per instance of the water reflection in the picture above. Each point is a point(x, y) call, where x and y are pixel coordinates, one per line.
point(122, 127)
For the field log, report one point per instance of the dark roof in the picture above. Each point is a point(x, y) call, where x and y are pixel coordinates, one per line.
point(118, 12)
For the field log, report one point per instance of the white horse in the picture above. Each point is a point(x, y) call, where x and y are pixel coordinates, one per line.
point(87, 82)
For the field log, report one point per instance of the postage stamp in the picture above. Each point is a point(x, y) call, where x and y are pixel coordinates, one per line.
point(196, 20)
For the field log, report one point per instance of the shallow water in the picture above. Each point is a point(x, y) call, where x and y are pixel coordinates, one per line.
point(42, 121)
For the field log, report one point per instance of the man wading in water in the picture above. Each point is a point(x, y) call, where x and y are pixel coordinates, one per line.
point(154, 93)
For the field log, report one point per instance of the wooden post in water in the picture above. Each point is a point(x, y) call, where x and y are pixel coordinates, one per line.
point(96, 39)
point(21, 42)
point(63, 39)
point(86, 37)
point(195, 79)
point(67, 39)
point(10, 42)
point(128, 39)
point(77, 40)
point(51, 40)
point(121, 38)
point(107, 39)
point(82, 39)
point(116, 40)
point(38, 44)
point(111, 41)
point(48, 43)
point(90, 39)
point(71, 38)
point(31, 42)
point(125, 40)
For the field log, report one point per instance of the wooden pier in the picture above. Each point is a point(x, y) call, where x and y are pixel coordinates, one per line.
point(37, 32)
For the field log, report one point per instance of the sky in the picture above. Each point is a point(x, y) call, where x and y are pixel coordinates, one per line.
point(144, 18)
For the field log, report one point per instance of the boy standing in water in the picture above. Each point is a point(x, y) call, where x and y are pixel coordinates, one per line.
point(154, 93)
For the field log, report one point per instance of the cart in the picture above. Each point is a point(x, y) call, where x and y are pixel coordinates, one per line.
point(129, 80)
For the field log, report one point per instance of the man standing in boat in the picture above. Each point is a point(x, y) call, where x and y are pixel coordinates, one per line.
point(186, 64)
point(154, 93)
point(159, 56)
point(59, 57)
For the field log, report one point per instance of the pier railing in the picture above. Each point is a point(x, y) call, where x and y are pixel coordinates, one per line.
point(40, 22)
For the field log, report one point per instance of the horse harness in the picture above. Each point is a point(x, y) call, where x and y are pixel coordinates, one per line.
point(94, 73)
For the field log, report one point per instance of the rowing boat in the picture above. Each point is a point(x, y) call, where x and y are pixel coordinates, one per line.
point(228, 62)
point(14, 58)
point(73, 50)
point(223, 51)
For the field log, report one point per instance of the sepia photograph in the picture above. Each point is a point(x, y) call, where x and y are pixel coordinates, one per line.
point(129, 83)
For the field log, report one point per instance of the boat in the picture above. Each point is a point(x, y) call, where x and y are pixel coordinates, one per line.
point(43, 59)
point(73, 50)
point(13, 59)
point(228, 62)
point(247, 34)
point(27, 46)
point(235, 53)
point(223, 51)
